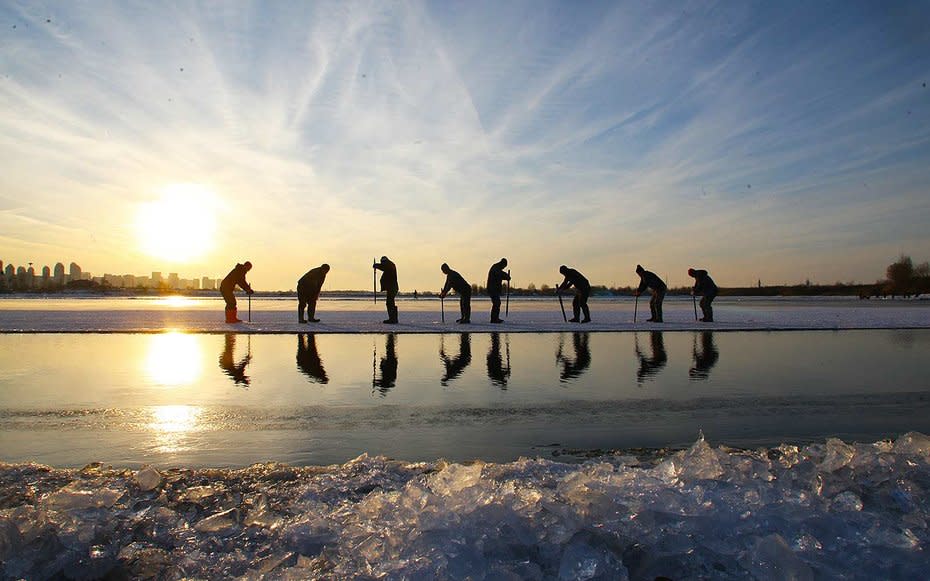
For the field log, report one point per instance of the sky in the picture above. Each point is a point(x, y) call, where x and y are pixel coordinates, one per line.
point(772, 141)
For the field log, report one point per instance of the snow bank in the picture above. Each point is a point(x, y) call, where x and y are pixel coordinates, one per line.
point(532, 316)
point(832, 510)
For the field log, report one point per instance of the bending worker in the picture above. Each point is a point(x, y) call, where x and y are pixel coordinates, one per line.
point(657, 286)
point(456, 282)
point(389, 286)
point(235, 277)
point(308, 291)
point(496, 277)
point(582, 292)
point(705, 286)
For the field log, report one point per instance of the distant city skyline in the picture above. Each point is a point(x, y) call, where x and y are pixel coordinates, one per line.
point(780, 141)
point(21, 277)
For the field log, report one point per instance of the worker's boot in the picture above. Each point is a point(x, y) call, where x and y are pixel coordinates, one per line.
point(231, 316)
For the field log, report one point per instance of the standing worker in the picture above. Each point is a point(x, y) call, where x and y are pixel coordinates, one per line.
point(705, 286)
point(582, 292)
point(496, 277)
point(657, 286)
point(235, 277)
point(456, 282)
point(389, 286)
point(308, 291)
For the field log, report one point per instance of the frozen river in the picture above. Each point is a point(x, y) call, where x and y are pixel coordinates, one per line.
point(533, 452)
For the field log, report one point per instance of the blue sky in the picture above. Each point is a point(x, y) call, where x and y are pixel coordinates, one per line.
point(780, 141)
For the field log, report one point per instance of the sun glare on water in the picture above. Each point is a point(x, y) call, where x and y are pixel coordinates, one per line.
point(179, 225)
point(173, 359)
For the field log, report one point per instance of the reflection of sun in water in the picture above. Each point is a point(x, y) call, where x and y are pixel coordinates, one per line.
point(174, 301)
point(173, 359)
point(174, 418)
point(171, 423)
point(178, 226)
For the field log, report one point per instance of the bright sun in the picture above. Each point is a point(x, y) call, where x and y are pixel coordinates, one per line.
point(178, 226)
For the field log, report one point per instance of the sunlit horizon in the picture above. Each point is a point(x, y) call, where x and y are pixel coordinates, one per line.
point(773, 142)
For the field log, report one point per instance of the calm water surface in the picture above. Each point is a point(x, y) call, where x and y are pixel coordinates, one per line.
point(230, 400)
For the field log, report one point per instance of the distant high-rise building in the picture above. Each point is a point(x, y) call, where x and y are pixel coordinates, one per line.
point(60, 274)
point(174, 282)
point(21, 277)
point(156, 280)
point(207, 283)
point(129, 281)
point(9, 274)
point(75, 271)
point(46, 276)
point(30, 277)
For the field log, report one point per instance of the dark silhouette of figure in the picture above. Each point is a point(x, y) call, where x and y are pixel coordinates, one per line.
point(235, 277)
point(389, 286)
point(456, 282)
point(498, 372)
point(705, 358)
point(496, 278)
point(705, 286)
point(308, 359)
point(455, 365)
point(572, 368)
point(308, 292)
point(651, 281)
point(235, 370)
point(650, 366)
point(387, 366)
point(582, 292)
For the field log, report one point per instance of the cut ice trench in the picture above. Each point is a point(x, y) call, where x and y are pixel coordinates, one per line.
point(831, 510)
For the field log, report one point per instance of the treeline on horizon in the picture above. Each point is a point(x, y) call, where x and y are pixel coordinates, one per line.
point(902, 279)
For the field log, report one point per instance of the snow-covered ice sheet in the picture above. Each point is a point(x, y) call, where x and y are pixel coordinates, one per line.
point(279, 316)
point(827, 511)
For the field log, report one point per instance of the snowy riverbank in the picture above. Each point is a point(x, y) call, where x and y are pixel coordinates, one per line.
point(536, 315)
point(831, 510)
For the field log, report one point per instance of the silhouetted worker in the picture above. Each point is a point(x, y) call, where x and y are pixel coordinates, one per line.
point(236, 371)
point(705, 358)
point(308, 358)
point(650, 366)
point(704, 285)
point(651, 281)
point(496, 278)
point(388, 367)
point(456, 282)
point(573, 368)
point(582, 292)
point(235, 277)
point(389, 286)
point(497, 371)
point(308, 292)
point(455, 365)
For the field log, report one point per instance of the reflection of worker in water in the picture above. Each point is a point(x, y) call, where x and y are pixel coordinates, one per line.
point(308, 292)
point(705, 358)
point(308, 359)
point(650, 366)
point(498, 372)
point(572, 368)
point(236, 371)
point(455, 365)
point(388, 366)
